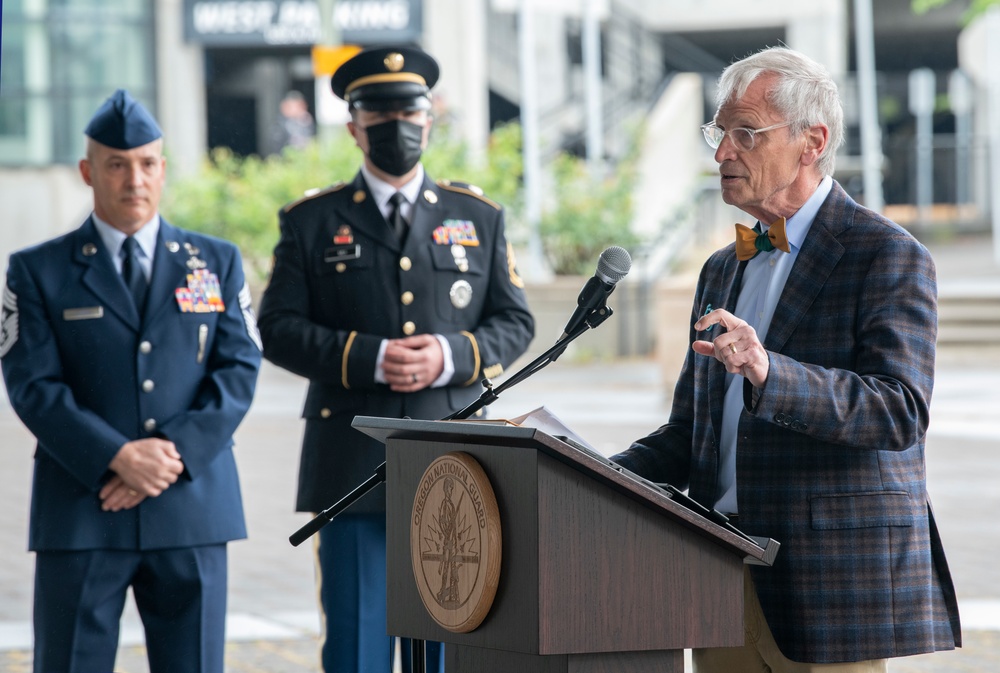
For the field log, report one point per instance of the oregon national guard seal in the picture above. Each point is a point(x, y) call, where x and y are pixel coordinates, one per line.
point(455, 542)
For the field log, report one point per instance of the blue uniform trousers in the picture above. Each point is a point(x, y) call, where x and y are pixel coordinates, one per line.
point(351, 559)
point(180, 595)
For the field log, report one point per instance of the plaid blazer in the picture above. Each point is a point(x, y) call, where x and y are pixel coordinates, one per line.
point(830, 460)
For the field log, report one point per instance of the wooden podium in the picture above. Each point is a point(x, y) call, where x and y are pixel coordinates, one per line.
point(601, 570)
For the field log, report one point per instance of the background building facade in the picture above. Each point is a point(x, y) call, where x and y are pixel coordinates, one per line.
point(214, 71)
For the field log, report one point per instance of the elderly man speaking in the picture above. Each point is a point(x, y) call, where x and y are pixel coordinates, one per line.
point(802, 406)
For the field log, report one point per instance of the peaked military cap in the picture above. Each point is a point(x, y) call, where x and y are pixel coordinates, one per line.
point(387, 78)
point(123, 123)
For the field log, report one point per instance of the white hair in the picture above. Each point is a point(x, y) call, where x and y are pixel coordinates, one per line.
point(804, 94)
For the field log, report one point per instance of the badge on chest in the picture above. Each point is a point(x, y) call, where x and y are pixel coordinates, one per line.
point(203, 293)
point(344, 248)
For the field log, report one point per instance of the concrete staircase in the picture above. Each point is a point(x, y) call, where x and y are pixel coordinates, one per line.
point(969, 319)
point(968, 298)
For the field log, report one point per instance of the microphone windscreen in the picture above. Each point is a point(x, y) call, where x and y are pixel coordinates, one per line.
point(614, 264)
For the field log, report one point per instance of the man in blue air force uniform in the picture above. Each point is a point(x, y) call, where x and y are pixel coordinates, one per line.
point(395, 295)
point(130, 350)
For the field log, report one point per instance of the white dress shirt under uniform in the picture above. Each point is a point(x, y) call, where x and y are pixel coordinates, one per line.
point(382, 191)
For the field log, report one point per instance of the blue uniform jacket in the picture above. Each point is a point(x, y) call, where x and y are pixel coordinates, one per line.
point(86, 375)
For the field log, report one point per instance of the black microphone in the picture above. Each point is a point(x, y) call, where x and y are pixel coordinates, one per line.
point(613, 265)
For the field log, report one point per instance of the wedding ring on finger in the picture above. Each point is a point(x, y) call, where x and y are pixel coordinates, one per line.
point(133, 492)
point(732, 347)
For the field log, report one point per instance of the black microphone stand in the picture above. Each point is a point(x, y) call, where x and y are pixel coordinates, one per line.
point(489, 396)
point(327, 515)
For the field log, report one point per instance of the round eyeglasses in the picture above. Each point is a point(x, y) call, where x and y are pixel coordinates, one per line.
point(742, 137)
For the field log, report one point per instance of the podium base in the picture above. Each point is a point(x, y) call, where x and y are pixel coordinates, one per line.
point(463, 659)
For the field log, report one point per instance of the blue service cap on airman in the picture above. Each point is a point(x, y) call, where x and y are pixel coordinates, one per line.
point(123, 123)
point(387, 78)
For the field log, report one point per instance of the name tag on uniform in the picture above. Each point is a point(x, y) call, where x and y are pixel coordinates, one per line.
point(84, 313)
point(342, 253)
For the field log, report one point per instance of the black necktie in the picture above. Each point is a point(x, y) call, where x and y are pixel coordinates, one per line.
point(135, 279)
point(396, 216)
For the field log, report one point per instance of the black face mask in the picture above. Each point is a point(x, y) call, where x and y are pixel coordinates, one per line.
point(394, 146)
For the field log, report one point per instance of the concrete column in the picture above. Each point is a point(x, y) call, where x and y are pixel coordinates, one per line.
point(39, 203)
point(270, 80)
point(180, 90)
point(455, 34)
point(822, 36)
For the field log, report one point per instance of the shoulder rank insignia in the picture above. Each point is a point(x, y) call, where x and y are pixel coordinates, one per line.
point(469, 190)
point(313, 193)
point(515, 278)
point(8, 322)
point(249, 317)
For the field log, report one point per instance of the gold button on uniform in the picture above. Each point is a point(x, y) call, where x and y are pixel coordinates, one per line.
point(147, 386)
point(341, 267)
point(409, 328)
point(325, 413)
point(405, 263)
point(407, 298)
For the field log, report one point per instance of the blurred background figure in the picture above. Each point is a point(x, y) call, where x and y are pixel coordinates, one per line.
point(294, 127)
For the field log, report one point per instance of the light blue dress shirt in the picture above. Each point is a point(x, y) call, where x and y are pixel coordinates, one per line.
point(145, 237)
point(763, 282)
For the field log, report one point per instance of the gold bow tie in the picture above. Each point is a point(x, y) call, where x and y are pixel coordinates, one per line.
point(749, 241)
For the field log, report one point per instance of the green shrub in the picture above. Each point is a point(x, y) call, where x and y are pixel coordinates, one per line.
point(238, 198)
point(589, 213)
point(498, 172)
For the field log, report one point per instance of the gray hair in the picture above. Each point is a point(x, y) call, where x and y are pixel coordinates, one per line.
point(804, 94)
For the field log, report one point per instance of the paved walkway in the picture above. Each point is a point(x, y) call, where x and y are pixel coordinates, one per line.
point(273, 623)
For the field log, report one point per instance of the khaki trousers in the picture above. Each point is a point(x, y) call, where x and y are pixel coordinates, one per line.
point(760, 654)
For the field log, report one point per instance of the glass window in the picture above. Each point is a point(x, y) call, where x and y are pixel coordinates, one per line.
point(61, 59)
